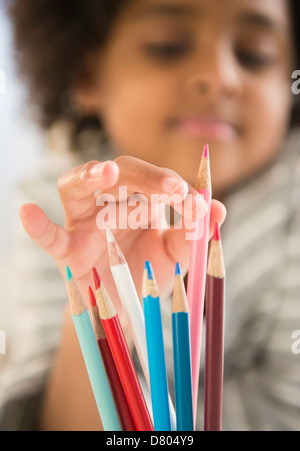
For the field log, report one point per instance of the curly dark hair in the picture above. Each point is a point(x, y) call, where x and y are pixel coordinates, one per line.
point(52, 38)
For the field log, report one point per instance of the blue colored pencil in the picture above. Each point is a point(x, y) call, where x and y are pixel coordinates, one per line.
point(182, 356)
point(92, 358)
point(156, 353)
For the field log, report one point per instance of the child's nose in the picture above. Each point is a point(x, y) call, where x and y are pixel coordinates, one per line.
point(214, 72)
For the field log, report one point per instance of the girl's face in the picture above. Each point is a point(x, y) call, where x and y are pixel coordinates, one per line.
point(177, 74)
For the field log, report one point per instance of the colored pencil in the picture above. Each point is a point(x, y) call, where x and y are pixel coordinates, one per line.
point(197, 273)
point(214, 351)
point(132, 308)
point(182, 355)
point(156, 353)
point(92, 358)
point(111, 370)
point(129, 299)
point(122, 358)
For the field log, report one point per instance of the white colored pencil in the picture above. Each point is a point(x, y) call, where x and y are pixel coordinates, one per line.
point(132, 308)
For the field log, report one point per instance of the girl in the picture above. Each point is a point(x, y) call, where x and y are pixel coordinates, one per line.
point(161, 79)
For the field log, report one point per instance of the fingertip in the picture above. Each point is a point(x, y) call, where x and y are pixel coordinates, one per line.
point(107, 172)
point(218, 215)
point(110, 170)
point(24, 208)
point(218, 211)
point(32, 218)
point(26, 211)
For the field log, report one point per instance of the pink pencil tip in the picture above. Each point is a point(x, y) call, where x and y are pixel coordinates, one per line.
point(217, 235)
point(93, 301)
point(205, 151)
point(97, 279)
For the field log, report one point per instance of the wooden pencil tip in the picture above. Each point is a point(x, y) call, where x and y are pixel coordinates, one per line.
point(68, 274)
point(205, 151)
point(178, 269)
point(97, 279)
point(109, 236)
point(92, 297)
point(217, 235)
point(148, 267)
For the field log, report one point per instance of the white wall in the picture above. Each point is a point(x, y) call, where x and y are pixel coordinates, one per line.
point(21, 149)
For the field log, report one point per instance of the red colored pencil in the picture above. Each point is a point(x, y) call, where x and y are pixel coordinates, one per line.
point(122, 358)
point(214, 352)
point(111, 370)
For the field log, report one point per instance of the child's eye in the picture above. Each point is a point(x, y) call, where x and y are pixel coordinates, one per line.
point(166, 51)
point(255, 60)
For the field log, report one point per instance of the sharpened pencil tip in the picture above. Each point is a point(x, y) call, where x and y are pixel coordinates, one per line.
point(97, 279)
point(92, 297)
point(178, 269)
point(68, 274)
point(109, 236)
point(206, 151)
point(217, 235)
point(148, 267)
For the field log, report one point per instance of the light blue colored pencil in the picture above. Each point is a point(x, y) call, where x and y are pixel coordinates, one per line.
point(92, 358)
point(182, 356)
point(156, 353)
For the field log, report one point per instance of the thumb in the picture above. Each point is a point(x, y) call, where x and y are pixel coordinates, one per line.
point(45, 233)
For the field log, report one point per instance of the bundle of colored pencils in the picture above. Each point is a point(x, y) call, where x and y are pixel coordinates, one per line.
point(118, 394)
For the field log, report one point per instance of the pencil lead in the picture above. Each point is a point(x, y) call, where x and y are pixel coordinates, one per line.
point(205, 151)
point(148, 267)
point(217, 235)
point(204, 175)
point(109, 236)
point(178, 269)
point(93, 301)
point(68, 274)
point(97, 279)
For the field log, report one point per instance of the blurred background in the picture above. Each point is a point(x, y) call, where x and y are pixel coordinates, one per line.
point(21, 150)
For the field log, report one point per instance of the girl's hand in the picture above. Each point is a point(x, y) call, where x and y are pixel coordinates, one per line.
point(82, 245)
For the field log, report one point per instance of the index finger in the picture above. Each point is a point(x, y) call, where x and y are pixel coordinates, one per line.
point(142, 177)
point(77, 186)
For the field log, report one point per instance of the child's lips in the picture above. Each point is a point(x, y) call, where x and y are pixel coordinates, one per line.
point(207, 128)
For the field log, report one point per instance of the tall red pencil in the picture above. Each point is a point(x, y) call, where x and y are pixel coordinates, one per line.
point(111, 369)
point(214, 352)
point(122, 358)
point(197, 273)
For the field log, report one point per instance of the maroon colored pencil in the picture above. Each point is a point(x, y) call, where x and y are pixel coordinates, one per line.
point(214, 351)
point(110, 367)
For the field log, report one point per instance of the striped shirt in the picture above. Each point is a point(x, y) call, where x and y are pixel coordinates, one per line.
point(261, 242)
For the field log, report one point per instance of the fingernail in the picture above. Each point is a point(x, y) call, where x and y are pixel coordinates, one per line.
point(173, 185)
point(97, 170)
